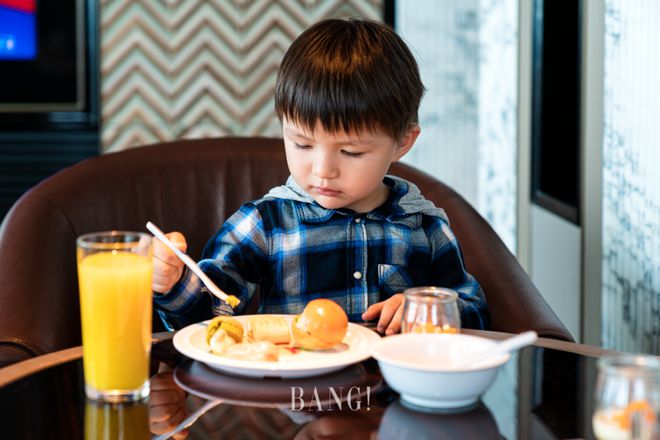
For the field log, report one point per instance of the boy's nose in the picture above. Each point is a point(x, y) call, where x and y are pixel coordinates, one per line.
point(324, 167)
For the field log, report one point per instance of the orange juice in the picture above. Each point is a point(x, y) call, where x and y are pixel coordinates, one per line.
point(115, 307)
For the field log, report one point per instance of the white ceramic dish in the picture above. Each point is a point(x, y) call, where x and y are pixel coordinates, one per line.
point(356, 346)
point(419, 367)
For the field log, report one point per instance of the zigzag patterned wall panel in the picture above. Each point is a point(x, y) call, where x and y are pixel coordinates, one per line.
point(195, 68)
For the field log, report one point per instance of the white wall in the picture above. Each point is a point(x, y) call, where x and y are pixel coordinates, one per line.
point(555, 267)
point(467, 53)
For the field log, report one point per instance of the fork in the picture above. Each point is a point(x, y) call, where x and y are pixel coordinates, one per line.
point(229, 299)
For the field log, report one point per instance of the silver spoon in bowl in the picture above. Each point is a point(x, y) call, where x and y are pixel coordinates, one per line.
point(506, 346)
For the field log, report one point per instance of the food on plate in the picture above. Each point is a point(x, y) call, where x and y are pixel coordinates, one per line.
point(223, 344)
point(254, 351)
point(321, 325)
point(224, 336)
point(220, 341)
point(231, 326)
point(222, 332)
point(275, 329)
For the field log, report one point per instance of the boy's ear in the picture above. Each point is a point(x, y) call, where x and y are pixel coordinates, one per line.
point(406, 142)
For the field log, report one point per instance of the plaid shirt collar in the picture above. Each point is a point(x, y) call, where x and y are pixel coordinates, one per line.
point(392, 211)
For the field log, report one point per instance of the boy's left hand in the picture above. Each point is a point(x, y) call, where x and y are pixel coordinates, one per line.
point(390, 311)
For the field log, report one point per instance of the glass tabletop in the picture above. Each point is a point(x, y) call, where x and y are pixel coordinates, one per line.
point(539, 393)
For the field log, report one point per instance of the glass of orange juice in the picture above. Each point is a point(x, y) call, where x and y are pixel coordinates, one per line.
point(114, 279)
point(430, 310)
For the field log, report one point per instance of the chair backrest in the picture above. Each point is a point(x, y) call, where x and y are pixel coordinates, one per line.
point(193, 186)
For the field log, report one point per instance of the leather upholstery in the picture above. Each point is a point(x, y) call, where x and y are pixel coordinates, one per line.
point(193, 186)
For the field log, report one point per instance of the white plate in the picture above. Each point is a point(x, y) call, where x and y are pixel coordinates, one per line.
point(356, 346)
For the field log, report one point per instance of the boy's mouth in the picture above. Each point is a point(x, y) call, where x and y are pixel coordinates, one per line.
point(326, 191)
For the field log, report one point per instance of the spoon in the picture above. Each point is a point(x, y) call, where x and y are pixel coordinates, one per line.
point(229, 299)
point(505, 346)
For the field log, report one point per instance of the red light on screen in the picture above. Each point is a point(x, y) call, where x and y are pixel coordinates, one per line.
point(22, 5)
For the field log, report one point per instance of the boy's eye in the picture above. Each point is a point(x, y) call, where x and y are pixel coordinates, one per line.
point(301, 146)
point(351, 154)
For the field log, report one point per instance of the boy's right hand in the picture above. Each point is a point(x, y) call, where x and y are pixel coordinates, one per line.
point(168, 268)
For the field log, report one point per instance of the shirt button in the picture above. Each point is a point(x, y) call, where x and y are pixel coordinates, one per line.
point(357, 275)
point(358, 220)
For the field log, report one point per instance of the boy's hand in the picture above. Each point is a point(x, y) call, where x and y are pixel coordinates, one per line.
point(168, 268)
point(390, 311)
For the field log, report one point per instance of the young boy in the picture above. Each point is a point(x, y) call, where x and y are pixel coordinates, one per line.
point(347, 94)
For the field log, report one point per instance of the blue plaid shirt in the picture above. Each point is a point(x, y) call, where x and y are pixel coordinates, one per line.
point(291, 250)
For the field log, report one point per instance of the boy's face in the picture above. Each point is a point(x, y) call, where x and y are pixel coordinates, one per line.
point(343, 170)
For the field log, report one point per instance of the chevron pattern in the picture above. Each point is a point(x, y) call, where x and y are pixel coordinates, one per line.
point(196, 68)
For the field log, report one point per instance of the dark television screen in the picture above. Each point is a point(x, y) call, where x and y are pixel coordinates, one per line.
point(556, 107)
point(42, 62)
point(18, 30)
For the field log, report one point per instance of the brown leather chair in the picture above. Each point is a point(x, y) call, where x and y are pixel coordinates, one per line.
point(193, 186)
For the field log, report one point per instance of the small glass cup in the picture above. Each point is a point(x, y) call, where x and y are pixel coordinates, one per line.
point(114, 280)
point(627, 398)
point(430, 310)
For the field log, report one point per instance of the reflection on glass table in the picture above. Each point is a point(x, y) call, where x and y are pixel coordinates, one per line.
point(544, 391)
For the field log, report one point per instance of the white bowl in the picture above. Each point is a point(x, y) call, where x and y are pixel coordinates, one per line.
point(423, 369)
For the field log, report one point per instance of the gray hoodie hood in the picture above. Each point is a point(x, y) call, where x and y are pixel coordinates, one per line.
point(407, 201)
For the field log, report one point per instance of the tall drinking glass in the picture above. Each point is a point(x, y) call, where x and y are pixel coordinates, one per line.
point(114, 278)
point(430, 310)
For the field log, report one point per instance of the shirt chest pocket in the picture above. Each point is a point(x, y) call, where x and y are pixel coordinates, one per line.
point(393, 278)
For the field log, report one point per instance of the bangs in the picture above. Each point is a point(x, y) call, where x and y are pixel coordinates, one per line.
point(337, 104)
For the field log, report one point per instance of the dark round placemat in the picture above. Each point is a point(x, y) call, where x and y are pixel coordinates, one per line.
point(346, 386)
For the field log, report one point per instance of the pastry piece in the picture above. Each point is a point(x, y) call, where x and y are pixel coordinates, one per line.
point(275, 329)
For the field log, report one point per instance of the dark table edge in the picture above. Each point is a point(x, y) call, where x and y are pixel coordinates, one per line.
point(25, 368)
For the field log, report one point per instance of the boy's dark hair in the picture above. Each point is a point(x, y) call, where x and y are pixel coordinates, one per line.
point(350, 75)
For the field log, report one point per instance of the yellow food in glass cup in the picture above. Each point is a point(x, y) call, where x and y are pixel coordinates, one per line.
point(429, 327)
